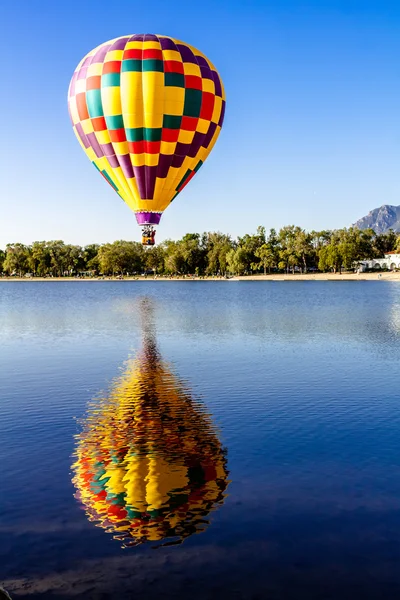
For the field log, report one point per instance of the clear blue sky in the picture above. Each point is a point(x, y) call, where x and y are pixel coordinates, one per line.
point(311, 134)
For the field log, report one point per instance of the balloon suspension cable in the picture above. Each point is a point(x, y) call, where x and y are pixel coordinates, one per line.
point(148, 235)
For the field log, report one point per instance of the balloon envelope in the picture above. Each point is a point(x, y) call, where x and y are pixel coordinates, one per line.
point(147, 110)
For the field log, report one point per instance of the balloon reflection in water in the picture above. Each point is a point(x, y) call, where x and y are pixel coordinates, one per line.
point(149, 465)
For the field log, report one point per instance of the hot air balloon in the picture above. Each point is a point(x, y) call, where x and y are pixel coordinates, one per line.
point(149, 466)
point(147, 110)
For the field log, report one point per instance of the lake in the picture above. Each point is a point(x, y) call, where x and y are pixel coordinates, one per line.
point(200, 440)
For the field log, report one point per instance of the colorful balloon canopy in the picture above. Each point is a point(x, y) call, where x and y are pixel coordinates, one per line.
point(149, 465)
point(147, 110)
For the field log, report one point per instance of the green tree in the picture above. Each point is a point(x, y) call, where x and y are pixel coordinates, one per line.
point(288, 252)
point(58, 256)
point(384, 243)
point(216, 245)
point(174, 258)
point(353, 245)
point(74, 259)
point(39, 260)
point(121, 257)
point(2, 259)
point(365, 242)
point(348, 251)
point(154, 258)
point(90, 258)
point(16, 259)
point(273, 241)
point(267, 254)
point(192, 252)
point(266, 258)
point(330, 258)
point(249, 245)
point(303, 247)
point(237, 260)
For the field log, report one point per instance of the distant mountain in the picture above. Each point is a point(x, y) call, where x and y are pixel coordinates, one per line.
point(381, 219)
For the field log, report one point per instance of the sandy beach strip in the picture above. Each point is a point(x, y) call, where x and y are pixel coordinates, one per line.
point(273, 277)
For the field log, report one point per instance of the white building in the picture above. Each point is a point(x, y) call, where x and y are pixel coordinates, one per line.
point(390, 262)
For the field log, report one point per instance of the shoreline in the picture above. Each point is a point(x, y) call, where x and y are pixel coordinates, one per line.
point(389, 276)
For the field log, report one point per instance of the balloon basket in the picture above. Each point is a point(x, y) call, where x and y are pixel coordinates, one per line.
point(148, 236)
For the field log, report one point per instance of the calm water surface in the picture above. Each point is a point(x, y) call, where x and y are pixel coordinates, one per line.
point(200, 440)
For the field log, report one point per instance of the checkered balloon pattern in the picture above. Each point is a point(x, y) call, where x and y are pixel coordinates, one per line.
point(147, 110)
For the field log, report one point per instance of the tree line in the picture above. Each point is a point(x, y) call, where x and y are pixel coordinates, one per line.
point(290, 249)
